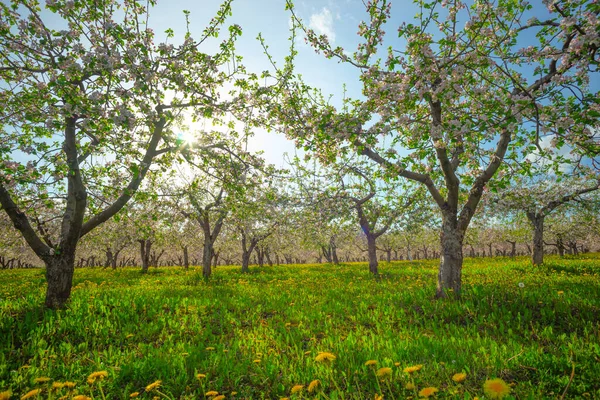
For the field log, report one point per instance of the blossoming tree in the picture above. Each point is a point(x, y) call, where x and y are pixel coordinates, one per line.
point(465, 95)
point(91, 102)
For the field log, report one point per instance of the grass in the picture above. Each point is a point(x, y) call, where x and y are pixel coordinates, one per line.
point(258, 335)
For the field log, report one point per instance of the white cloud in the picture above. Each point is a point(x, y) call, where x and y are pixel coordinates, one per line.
point(322, 23)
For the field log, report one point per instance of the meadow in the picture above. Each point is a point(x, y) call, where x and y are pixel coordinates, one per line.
point(306, 331)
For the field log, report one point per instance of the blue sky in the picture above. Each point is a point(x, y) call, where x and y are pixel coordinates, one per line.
point(338, 19)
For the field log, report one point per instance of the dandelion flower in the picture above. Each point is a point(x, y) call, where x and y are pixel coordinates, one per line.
point(219, 397)
point(460, 377)
point(98, 375)
point(81, 397)
point(210, 348)
point(256, 361)
point(31, 393)
point(378, 397)
point(57, 385)
point(134, 394)
point(42, 379)
point(414, 368)
point(153, 385)
point(325, 357)
point(496, 388)
point(313, 385)
point(5, 395)
point(200, 376)
point(211, 393)
point(410, 386)
point(427, 392)
point(297, 388)
point(384, 373)
point(370, 363)
point(69, 385)
point(560, 292)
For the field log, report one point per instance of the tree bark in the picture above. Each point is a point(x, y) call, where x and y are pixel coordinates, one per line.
point(451, 259)
point(537, 220)
point(59, 276)
point(207, 255)
point(145, 246)
point(372, 251)
point(186, 260)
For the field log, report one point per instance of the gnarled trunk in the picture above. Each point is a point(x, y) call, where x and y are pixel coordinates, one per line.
point(207, 256)
point(372, 251)
point(451, 258)
point(537, 221)
point(145, 246)
point(59, 275)
point(186, 260)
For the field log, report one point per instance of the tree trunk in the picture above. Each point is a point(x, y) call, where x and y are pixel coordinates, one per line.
point(389, 255)
point(109, 258)
point(538, 237)
point(186, 260)
point(115, 257)
point(268, 256)
point(560, 246)
point(207, 255)
point(451, 259)
point(59, 275)
point(145, 246)
point(372, 250)
point(246, 261)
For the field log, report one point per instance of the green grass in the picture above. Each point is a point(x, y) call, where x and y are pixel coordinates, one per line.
point(258, 334)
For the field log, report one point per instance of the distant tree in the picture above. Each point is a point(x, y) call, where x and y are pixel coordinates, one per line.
point(539, 199)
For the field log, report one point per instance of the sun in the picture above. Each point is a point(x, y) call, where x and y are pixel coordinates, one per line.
point(186, 137)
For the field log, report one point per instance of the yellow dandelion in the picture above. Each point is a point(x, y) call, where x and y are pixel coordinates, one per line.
point(211, 393)
point(200, 376)
point(31, 393)
point(256, 361)
point(81, 397)
point(233, 393)
point(57, 385)
point(325, 357)
point(460, 377)
point(5, 395)
point(42, 379)
point(134, 394)
point(153, 385)
point(384, 373)
point(210, 348)
point(370, 363)
point(397, 364)
point(560, 292)
point(496, 388)
point(414, 368)
point(284, 398)
point(98, 375)
point(410, 386)
point(378, 397)
point(219, 397)
point(427, 392)
point(313, 385)
point(69, 385)
point(297, 388)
